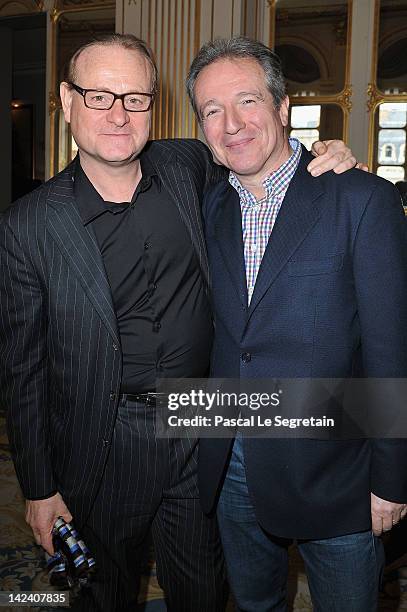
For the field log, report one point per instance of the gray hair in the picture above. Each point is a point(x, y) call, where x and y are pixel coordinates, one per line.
point(239, 47)
point(125, 41)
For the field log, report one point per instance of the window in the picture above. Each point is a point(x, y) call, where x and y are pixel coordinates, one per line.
point(388, 151)
point(391, 141)
point(391, 173)
point(304, 123)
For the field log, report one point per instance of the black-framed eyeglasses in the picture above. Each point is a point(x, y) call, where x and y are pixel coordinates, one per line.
point(135, 102)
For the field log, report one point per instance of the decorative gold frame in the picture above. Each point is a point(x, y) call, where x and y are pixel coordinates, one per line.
point(53, 96)
point(374, 95)
point(344, 97)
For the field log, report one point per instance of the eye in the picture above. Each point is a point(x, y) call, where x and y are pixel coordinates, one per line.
point(135, 101)
point(210, 113)
point(98, 97)
point(247, 101)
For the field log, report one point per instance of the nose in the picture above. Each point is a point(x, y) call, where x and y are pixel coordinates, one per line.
point(234, 122)
point(117, 114)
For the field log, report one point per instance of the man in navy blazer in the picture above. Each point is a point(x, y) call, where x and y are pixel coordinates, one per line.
point(309, 278)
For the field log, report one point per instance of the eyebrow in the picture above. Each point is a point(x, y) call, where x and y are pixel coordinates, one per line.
point(102, 88)
point(108, 90)
point(257, 94)
point(207, 103)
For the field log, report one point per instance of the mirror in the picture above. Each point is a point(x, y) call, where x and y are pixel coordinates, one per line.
point(311, 40)
point(392, 47)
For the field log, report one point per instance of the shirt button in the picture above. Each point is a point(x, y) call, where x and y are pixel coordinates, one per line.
point(115, 347)
point(246, 357)
point(146, 246)
point(112, 396)
point(156, 326)
point(105, 442)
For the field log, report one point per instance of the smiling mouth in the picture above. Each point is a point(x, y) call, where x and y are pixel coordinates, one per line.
point(240, 143)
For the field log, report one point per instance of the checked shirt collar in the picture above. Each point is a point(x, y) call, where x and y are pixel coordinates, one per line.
point(259, 216)
point(276, 184)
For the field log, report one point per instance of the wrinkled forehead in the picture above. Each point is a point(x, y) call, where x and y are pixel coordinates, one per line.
point(244, 69)
point(228, 77)
point(112, 61)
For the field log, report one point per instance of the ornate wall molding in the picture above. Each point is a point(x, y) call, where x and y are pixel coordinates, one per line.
point(54, 103)
point(18, 7)
point(374, 97)
point(76, 3)
point(345, 98)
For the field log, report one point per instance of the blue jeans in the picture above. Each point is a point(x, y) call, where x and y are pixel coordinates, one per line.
point(343, 572)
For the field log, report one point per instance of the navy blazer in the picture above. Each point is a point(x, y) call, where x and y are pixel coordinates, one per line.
point(61, 360)
point(331, 291)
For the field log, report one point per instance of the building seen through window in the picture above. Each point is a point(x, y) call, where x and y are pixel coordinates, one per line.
point(391, 141)
point(304, 123)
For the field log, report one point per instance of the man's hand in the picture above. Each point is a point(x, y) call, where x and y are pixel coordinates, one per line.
point(385, 514)
point(41, 515)
point(332, 155)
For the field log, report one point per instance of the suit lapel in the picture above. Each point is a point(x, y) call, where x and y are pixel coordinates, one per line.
point(228, 231)
point(178, 180)
point(299, 212)
point(79, 247)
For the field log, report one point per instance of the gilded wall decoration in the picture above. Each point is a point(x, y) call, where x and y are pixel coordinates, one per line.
point(10, 8)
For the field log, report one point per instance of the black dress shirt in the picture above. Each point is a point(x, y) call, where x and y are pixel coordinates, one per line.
point(162, 310)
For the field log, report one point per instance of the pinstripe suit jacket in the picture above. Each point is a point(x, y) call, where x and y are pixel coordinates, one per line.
point(61, 361)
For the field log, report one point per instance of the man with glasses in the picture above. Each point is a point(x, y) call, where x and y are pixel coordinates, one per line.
point(103, 290)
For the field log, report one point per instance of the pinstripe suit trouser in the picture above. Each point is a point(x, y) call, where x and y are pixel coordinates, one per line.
point(149, 486)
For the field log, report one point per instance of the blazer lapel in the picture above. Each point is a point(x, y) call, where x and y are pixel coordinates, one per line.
point(178, 180)
point(228, 232)
point(79, 247)
point(298, 214)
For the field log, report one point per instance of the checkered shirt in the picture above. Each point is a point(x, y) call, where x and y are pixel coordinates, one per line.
point(259, 216)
